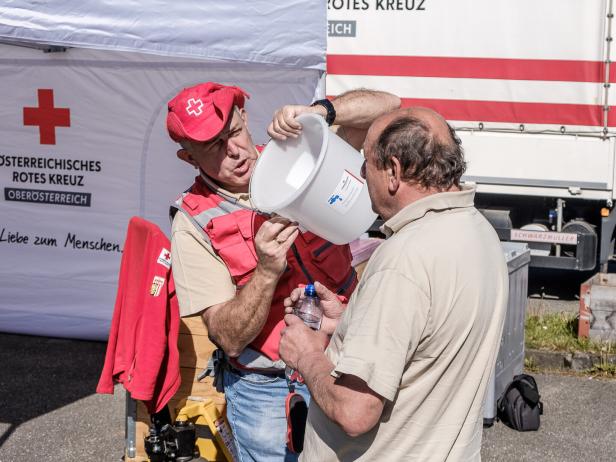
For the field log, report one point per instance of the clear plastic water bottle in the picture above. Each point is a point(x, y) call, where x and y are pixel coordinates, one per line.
point(308, 310)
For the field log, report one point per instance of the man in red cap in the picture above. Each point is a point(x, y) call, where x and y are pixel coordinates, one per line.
point(233, 266)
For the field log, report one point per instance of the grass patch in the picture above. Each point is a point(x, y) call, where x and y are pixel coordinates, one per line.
point(530, 365)
point(604, 369)
point(558, 332)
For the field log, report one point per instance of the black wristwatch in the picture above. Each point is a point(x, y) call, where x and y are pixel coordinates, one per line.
point(331, 112)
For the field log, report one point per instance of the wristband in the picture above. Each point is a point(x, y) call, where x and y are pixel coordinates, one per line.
point(329, 107)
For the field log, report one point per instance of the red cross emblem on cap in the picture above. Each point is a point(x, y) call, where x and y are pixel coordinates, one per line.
point(194, 107)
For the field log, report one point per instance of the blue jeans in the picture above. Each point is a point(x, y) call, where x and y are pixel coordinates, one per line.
point(256, 414)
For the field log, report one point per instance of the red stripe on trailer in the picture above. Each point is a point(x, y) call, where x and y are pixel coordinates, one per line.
point(513, 112)
point(611, 117)
point(470, 68)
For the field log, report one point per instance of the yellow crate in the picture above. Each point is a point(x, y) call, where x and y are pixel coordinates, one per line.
point(202, 411)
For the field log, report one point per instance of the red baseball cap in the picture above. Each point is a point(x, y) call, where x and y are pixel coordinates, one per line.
point(199, 113)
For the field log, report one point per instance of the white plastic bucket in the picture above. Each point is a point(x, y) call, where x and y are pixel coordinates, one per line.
point(315, 180)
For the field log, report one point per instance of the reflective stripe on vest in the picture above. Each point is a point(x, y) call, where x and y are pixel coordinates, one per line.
point(201, 220)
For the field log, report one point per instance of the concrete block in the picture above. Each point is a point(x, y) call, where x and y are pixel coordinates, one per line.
point(546, 359)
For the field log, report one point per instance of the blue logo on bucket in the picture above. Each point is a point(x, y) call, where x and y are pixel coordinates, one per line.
point(332, 200)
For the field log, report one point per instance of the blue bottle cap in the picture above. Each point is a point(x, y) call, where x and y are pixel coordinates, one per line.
point(310, 291)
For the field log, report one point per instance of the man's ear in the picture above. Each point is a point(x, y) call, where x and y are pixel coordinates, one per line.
point(243, 115)
point(394, 175)
point(184, 155)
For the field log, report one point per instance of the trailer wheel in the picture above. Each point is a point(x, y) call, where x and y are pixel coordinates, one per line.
point(576, 227)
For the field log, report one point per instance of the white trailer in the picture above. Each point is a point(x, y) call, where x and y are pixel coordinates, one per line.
point(526, 84)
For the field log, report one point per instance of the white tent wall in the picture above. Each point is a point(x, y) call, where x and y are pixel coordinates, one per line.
point(65, 205)
point(290, 33)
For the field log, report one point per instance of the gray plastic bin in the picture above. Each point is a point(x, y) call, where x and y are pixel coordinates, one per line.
point(510, 360)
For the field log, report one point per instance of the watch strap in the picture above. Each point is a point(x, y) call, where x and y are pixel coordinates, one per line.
point(329, 107)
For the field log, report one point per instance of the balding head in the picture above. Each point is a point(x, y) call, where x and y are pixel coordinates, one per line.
point(426, 146)
point(437, 126)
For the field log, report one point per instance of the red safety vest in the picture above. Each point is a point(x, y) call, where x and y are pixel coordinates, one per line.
point(230, 229)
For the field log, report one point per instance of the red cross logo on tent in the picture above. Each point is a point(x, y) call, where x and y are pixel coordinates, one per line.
point(47, 117)
point(194, 107)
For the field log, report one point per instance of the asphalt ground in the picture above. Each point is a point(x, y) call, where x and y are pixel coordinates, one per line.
point(48, 407)
point(49, 410)
point(579, 423)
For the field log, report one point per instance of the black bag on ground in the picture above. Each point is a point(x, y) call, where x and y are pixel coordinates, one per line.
point(520, 406)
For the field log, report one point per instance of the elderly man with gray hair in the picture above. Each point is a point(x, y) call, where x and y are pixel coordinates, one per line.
point(407, 368)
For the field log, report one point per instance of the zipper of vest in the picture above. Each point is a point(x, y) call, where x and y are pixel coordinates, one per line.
point(347, 283)
point(342, 289)
point(322, 249)
point(301, 264)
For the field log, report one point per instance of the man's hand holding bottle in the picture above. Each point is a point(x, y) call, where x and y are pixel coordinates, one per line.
point(329, 302)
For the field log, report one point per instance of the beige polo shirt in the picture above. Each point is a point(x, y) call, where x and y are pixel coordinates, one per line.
point(201, 277)
point(422, 329)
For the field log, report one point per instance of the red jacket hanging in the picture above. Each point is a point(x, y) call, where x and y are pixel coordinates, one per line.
point(231, 228)
point(142, 351)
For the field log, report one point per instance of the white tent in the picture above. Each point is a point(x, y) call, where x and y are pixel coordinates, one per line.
point(83, 145)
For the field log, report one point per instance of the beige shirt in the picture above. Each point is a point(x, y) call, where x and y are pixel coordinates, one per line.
point(201, 277)
point(422, 329)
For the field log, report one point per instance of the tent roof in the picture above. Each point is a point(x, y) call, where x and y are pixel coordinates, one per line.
point(292, 33)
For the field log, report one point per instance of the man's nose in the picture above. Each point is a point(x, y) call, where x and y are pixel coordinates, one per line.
point(232, 149)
